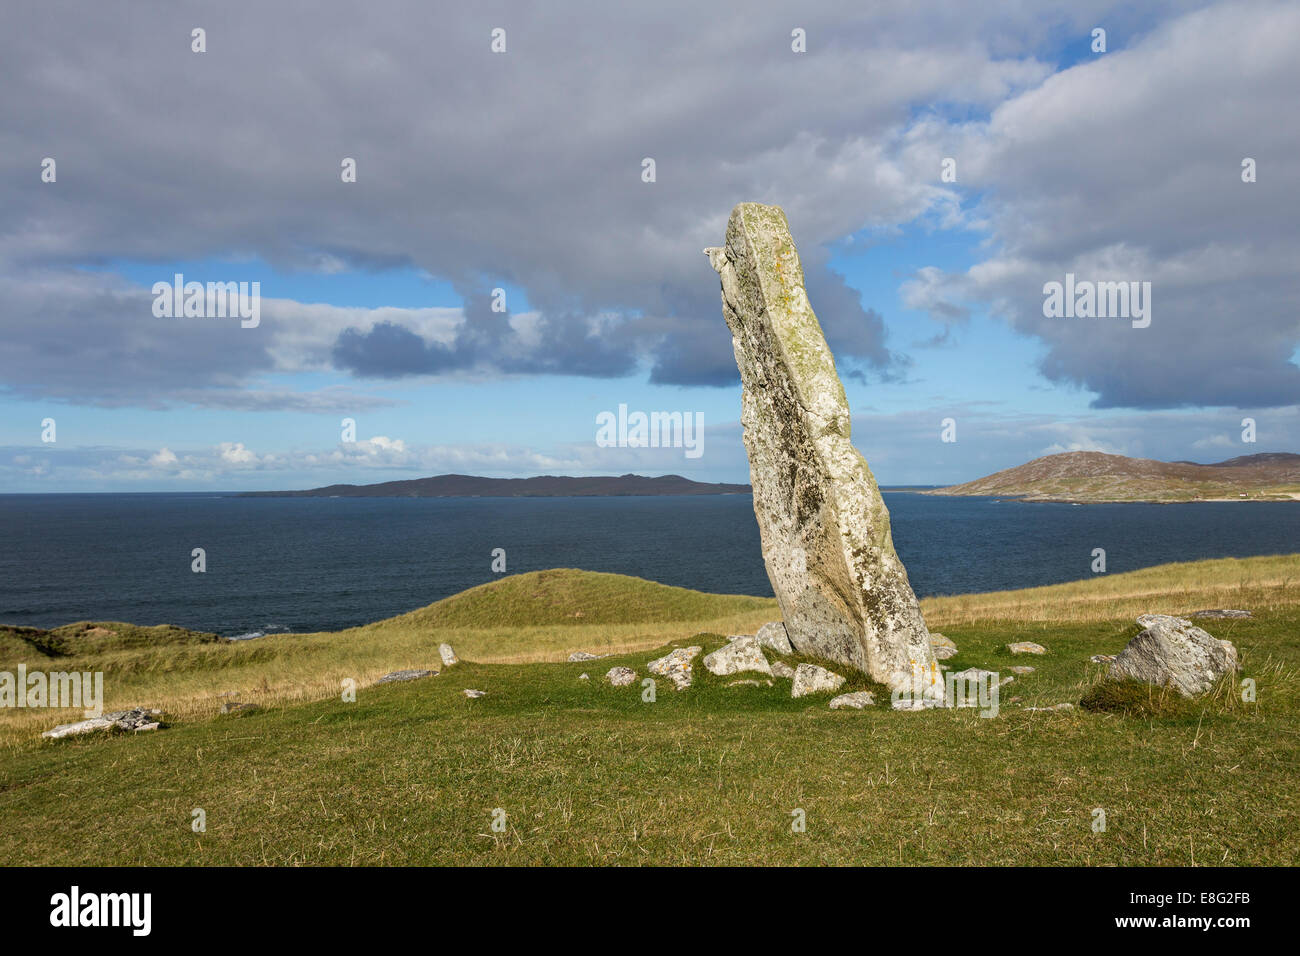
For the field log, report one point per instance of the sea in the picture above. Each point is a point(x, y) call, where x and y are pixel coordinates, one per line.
point(274, 565)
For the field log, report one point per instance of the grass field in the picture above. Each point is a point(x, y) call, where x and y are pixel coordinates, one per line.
point(586, 773)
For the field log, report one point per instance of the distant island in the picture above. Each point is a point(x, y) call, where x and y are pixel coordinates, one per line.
point(543, 486)
point(1091, 476)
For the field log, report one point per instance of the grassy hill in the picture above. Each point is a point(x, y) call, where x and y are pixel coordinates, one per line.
point(1090, 476)
point(411, 773)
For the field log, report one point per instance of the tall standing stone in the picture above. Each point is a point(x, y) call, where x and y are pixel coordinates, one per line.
point(843, 591)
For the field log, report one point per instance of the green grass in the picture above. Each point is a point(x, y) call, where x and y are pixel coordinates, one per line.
point(411, 773)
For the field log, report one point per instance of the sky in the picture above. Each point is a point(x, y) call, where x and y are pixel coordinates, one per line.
point(503, 270)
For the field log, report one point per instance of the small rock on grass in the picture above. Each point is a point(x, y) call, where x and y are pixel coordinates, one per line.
point(1220, 613)
point(675, 666)
point(474, 694)
point(943, 653)
point(857, 700)
point(742, 654)
point(448, 655)
point(750, 683)
point(584, 676)
point(397, 676)
point(1026, 647)
point(782, 669)
point(811, 679)
point(577, 656)
point(938, 640)
point(1101, 658)
point(136, 719)
point(620, 676)
point(1051, 708)
point(1021, 669)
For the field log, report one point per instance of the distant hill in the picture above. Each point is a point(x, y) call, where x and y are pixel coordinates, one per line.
point(545, 486)
point(1093, 477)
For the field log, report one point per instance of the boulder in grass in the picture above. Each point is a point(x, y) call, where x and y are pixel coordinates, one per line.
point(397, 677)
point(1021, 669)
point(474, 694)
point(1174, 652)
point(1221, 613)
point(811, 679)
point(676, 666)
point(577, 656)
point(620, 676)
point(1026, 647)
point(448, 655)
point(857, 700)
point(742, 654)
point(773, 636)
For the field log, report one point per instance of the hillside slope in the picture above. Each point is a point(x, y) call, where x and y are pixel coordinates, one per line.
point(1094, 477)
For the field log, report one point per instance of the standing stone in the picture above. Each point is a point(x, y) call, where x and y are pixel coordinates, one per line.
point(1174, 652)
point(843, 591)
point(448, 655)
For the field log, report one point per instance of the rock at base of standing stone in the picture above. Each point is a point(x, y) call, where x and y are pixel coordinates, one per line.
point(938, 640)
point(750, 683)
point(857, 700)
point(742, 654)
point(1026, 647)
point(675, 666)
point(1174, 652)
point(773, 636)
point(399, 676)
point(1221, 613)
point(620, 676)
point(942, 653)
point(811, 679)
point(448, 655)
point(782, 669)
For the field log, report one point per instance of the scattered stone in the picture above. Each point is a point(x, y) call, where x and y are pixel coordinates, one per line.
point(584, 677)
point(1174, 652)
point(773, 635)
point(938, 640)
point(1021, 669)
point(1219, 613)
point(620, 676)
point(843, 592)
point(917, 703)
point(750, 683)
point(811, 679)
point(1053, 707)
point(742, 654)
point(1014, 700)
point(1026, 647)
point(943, 653)
point(1101, 658)
point(857, 700)
point(398, 676)
point(474, 694)
point(782, 669)
point(235, 707)
point(136, 719)
point(448, 655)
point(676, 666)
point(577, 656)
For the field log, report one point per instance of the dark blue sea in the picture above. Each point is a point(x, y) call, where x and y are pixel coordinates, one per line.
point(309, 564)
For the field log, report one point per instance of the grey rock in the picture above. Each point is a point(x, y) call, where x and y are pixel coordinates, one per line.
point(474, 694)
point(1220, 613)
point(811, 679)
point(782, 669)
point(676, 666)
point(584, 677)
point(136, 719)
point(742, 654)
point(448, 655)
point(843, 591)
point(79, 727)
point(943, 653)
point(773, 636)
point(1101, 658)
point(857, 700)
point(1021, 669)
point(234, 707)
point(749, 683)
point(1053, 707)
point(1174, 652)
point(399, 676)
point(938, 640)
point(577, 656)
point(1026, 647)
point(620, 676)
point(916, 703)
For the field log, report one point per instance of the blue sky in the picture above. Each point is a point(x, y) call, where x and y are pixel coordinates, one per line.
point(523, 172)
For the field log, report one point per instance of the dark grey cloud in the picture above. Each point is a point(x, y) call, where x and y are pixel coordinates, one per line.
point(521, 168)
